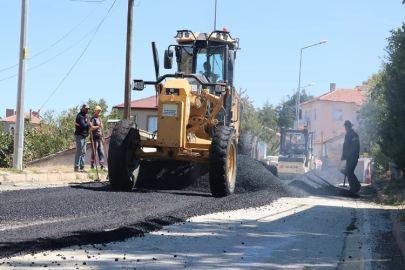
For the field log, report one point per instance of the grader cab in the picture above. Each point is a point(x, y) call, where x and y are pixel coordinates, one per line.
point(198, 114)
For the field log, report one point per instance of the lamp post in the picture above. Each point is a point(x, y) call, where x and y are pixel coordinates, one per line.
point(297, 118)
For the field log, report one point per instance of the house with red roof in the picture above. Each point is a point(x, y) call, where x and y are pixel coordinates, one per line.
point(325, 115)
point(145, 112)
point(9, 121)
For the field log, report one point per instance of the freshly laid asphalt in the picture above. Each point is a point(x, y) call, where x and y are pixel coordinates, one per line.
point(45, 219)
point(52, 218)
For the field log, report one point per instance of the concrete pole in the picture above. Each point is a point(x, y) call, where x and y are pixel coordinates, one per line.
point(22, 68)
point(297, 116)
point(215, 19)
point(128, 63)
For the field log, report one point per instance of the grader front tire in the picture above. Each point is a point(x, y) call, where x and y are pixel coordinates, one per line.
point(123, 166)
point(223, 162)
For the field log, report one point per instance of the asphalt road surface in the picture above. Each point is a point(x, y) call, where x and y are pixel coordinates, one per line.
point(39, 220)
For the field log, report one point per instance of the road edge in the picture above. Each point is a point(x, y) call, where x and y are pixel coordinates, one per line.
point(398, 227)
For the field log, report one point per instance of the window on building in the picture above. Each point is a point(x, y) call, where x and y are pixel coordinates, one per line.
point(337, 114)
point(315, 114)
point(152, 123)
point(314, 135)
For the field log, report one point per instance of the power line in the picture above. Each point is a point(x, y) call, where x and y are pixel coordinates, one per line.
point(54, 56)
point(94, 29)
point(80, 54)
point(56, 41)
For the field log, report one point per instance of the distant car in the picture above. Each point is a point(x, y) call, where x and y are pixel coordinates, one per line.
point(272, 160)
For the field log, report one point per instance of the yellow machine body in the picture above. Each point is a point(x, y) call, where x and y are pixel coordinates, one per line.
point(182, 121)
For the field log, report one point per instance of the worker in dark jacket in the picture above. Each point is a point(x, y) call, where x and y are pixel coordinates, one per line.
point(82, 131)
point(351, 151)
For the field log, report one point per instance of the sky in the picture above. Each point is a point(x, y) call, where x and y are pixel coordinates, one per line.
point(271, 34)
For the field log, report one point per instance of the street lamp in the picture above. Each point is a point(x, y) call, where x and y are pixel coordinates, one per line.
point(297, 116)
point(296, 101)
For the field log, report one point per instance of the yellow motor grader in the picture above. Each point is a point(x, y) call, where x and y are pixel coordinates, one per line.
point(198, 114)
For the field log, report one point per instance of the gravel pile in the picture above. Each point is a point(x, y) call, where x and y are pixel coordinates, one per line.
point(252, 176)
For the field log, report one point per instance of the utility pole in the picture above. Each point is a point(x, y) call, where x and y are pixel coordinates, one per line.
point(215, 19)
point(22, 68)
point(127, 96)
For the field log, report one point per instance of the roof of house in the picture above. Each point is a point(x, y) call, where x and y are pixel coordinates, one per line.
point(12, 119)
point(143, 103)
point(330, 136)
point(355, 95)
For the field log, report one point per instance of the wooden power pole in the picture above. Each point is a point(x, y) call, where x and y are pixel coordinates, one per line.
point(127, 96)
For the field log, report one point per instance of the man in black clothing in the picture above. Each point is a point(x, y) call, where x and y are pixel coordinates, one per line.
point(351, 151)
point(82, 131)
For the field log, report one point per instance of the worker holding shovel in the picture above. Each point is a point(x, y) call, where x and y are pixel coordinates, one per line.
point(351, 151)
point(97, 139)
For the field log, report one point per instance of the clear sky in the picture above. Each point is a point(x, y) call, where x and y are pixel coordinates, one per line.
point(271, 35)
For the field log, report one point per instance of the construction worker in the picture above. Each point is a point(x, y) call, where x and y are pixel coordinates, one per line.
point(351, 151)
point(97, 133)
point(81, 133)
point(208, 73)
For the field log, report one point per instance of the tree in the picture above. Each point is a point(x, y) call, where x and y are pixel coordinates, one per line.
point(285, 111)
point(259, 122)
point(371, 115)
point(2, 130)
point(382, 126)
point(391, 127)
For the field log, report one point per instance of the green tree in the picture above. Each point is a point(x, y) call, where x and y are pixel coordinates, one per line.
point(391, 126)
point(285, 111)
point(2, 130)
point(371, 116)
point(259, 122)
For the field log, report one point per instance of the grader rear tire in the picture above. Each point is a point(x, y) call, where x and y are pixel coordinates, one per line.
point(247, 145)
point(223, 162)
point(123, 166)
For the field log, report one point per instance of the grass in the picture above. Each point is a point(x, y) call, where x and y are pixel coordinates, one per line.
point(392, 200)
point(16, 171)
point(395, 186)
point(92, 174)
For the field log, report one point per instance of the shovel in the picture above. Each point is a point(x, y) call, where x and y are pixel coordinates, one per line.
point(105, 148)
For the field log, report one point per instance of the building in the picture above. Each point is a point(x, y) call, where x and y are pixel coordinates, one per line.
point(145, 112)
point(328, 112)
point(9, 121)
point(325, 115)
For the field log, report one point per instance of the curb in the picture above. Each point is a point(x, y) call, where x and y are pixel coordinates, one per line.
point(399, 235)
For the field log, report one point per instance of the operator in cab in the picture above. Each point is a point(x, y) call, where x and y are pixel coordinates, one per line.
point(208, 74)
